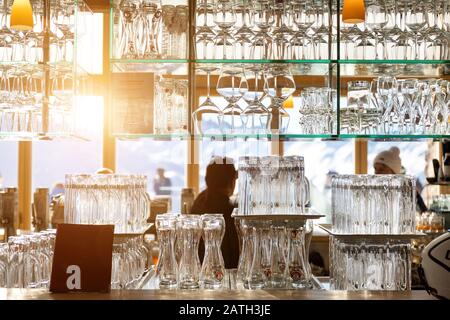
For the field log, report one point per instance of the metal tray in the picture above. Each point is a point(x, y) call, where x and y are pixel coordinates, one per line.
point(230, 282)
point(327, 228)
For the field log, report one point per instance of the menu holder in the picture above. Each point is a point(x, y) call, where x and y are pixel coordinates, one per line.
point(82, 259)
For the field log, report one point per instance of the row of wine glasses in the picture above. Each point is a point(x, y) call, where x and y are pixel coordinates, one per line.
point(399, 29)
point(179, 235)
point(22, 96)
point(26, 260)
point(373, 204)
point(262, 29)
point(374, 265)
point(150, 29)
point(251, 83)
point(390, 105)
point(19, 46)
point(273, 256)
point(121, 200)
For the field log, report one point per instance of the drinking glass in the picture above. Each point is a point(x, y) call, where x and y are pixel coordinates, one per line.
point(189, 267)
point(256, 117)
point(279, 85)
point(208, 117)
point(167, 267)
point(232, 85)
point(213, 267)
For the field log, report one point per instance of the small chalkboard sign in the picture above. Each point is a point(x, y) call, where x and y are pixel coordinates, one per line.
point(83, 258)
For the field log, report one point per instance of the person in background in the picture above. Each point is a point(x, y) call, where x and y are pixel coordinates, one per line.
point(220, 180)
point(57, 189)
point(389, 162)
point(162, 184)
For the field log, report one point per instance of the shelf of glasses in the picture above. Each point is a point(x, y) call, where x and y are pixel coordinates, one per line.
point(261, 61)
point(393, 137)
point(29, 136)
point(163, 67)
point(369, 237)
point(169, 136)
point(367, 69)
point(224, 137)
point(280, 137)
point(296, 69)
point(356, 61)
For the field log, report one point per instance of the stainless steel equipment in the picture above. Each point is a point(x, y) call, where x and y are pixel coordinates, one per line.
point(9, 211)
point(40, 209)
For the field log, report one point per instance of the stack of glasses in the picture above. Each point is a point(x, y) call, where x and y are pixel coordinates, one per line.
point(388, 105)
point(399, 30)
point(373, 204)
point(178, 264)
point(150, 29)
point(23, 83)
point(252, 84)
point(26, 261)
point(273, 256)
point(262, 29)
point(370, 265)
point(121, 200)
point(318, 110)
point(129, 263)
point(18, 46)
point(272, 185)
point(171, 99)
point(372, 216)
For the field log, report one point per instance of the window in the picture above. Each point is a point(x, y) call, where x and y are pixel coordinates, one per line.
point(322, 159)
point(146, 156)
point(54, 159)
point(231, 149)
point(412, 154)
point(8, 163)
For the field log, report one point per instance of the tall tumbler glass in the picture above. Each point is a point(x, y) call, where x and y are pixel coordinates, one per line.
point(213, 267)
point(167, 268)
point(189, 268)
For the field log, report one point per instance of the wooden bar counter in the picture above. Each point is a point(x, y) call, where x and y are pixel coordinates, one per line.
point(42, 294)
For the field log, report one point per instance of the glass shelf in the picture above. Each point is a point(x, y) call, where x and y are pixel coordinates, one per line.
point(392, 61)
point(393, 137)
point(281, 137)
point(30, 136)
point(255, 61)
point(137, 66)
point(403, 69)
point(163, 61)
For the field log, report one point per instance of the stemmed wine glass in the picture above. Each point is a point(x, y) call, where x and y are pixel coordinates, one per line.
point(204, 32)
point(244, 34)
point(208, 117)
point(264, 19)
point(303, 18)
point(224, 18)
point(256, 117)
point(279, 84)
point(376, 19)
point(416, 20)
point(232, 85)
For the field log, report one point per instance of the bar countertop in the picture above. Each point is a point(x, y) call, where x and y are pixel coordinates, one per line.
point(42, 294)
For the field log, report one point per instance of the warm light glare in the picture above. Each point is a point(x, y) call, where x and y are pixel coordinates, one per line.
point(353, 11)
point(21, 15)
point(289, 103)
